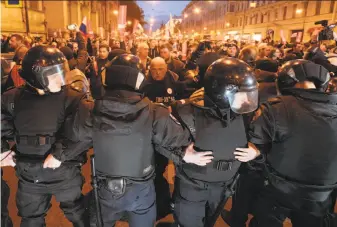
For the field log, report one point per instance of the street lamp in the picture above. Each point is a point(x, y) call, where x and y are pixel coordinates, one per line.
point(115, 12)
point(299, 11)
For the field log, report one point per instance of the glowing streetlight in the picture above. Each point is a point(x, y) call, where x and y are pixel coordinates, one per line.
point(252, 4)
point(197, 10)
point(115, 12)
point(299, 11)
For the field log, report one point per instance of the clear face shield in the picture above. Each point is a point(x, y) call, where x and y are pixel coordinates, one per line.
point(242, 101)
point(51, 77)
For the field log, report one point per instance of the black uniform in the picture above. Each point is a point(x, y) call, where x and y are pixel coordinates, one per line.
point(213, 127)
point(301, 179)
point(167, 92)
point(41, 125)
point(127, 129)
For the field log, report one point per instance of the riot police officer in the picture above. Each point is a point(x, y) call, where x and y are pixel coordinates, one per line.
point(301, 128)
point(127, 129)
point(213, 117)
point(41, 117)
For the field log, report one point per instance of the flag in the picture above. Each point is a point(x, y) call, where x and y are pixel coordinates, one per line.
point(83, 26)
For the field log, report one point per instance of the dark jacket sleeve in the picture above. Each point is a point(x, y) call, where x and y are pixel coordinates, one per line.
point(169, 137)
point(75, 138)
point(270, 123)
point(82, 57)
point(7, 119)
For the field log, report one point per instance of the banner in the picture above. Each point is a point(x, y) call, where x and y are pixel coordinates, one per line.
point(122, 17)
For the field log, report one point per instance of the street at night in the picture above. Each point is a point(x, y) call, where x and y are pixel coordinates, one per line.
point(168, 113)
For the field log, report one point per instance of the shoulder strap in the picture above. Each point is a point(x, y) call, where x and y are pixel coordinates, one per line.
point(175, 114)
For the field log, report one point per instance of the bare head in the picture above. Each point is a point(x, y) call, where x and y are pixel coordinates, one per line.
point(158, 68)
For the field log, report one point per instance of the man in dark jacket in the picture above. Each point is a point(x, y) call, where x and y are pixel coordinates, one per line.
point(173, 64)
point(48, 149)
point(153, 51)
point(82, 55)
point(163, 87)
point(127, 129)
point(296, 125)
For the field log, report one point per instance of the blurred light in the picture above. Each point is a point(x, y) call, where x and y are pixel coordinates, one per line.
point(205, 28)
point(115, 12)
point(218, 33)
point(228, 24)
point(252, 4)
point(210, 1)
point(299, 11)
point(197, 10)
point(185, 15)
point(129, 22)
point(192, 30)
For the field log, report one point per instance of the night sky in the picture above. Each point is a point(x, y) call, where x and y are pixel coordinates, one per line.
point(160, 10)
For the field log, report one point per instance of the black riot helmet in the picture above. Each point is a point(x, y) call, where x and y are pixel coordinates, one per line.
point(332, 87)
point(299, 70)
point(42, 66)
point(231, 83)
point(123, 72)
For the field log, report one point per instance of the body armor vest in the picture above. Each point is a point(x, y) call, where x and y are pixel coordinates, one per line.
point(212, 135)
point(37, 119)
point(304, 164)
point(124, 151)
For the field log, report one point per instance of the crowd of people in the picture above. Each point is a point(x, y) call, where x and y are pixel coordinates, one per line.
point(260, 115)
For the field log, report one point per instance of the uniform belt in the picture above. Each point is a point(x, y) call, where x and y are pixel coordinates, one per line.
point(35, 140)
point(220, 165)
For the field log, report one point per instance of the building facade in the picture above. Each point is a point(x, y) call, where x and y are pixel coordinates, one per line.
point(51, 18)
point(255, 20)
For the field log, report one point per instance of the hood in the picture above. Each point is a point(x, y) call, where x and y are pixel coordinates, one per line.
point(119, 111)
point(318, 103)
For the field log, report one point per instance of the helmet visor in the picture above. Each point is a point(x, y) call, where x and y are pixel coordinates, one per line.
point(242, 102)
point(51, 77)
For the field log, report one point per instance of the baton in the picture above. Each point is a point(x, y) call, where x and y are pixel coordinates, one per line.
point(94, 184)
point(228, 193)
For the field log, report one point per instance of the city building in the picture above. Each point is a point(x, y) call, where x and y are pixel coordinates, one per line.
point(51, 18)
point(255, 20)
